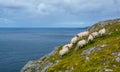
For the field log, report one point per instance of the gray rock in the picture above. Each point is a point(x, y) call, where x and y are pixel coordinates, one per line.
point(108, 70)
point(46, 67)
point(92, 50)
point(118, 59)
point(30, 65)
point(114, 53)
point(40, 65)
point(102, 24)
point(117, 56)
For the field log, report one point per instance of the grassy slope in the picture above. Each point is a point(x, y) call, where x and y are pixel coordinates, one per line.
point(97, 59)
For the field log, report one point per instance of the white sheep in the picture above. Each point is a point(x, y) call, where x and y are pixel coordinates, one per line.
point(63, 51)
point(74, 40)
point(102, 31)
point(65, 46)
point(82, 34)
point(68, 45)
point(81, 43)
point(95, 34)
point(90, 38)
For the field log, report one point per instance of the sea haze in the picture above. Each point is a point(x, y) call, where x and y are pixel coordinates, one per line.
point(19, 45)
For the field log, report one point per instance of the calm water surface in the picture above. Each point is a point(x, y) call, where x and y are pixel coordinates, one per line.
point(19, 45)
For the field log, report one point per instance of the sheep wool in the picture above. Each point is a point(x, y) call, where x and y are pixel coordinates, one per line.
point(81, 43)
point(95, 34)
point(74, 40)
point(68, 45)
point(65, 46)
point(90, 38)
point(102, 31)
point(82, 34)
point(63, 51)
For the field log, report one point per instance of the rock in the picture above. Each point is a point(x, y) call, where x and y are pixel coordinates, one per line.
point(40, 65)
point(29, 66)
point(46, 67)
point(108, 70)
point(114, 53)
point(102, 24)
point(91, 50)
point(72, 68)
point(118, 59)
point(67, 71)
point(117, 56)
point(103, 45)
point(114, 66)
point(87, 58)
point(57, 61)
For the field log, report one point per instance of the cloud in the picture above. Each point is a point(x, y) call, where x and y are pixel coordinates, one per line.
point(13, 4)
point(46, 9)
point(58, 12)
point(68, 6)
point(5, 21)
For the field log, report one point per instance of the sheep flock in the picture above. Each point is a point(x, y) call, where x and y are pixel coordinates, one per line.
point(81, 39)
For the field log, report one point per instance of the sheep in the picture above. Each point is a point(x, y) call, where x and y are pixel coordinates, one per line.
point(74, 40)
point(82, 34)
point(65, 46)
point(90, 38)
point(95, 34)
point(63, 51)
point(81, 43)
point(68, 45)
point(102, 31)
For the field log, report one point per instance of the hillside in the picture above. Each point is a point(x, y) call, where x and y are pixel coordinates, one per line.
point(101, 55)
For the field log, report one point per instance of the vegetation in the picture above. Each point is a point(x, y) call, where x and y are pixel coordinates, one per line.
point(98, 60)
point(105, 59)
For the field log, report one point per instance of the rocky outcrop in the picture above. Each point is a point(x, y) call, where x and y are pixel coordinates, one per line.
point(92, 50)
point(116, 56)
point(40, 65)
point(102, 24)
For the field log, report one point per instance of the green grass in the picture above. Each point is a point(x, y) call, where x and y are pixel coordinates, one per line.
point(98, 60)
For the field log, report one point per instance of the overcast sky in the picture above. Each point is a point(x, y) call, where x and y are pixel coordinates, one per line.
point(56, 13)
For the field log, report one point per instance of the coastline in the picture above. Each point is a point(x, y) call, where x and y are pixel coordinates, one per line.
point(53, 58)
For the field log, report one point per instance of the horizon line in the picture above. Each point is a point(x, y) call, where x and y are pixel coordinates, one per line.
point(45, 27)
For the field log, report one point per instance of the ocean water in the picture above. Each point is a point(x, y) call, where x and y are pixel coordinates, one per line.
point(19, 45)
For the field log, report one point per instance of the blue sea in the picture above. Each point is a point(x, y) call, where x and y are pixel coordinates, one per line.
point(19, 45)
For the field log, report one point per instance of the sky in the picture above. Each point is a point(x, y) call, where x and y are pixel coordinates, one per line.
point(56, 13)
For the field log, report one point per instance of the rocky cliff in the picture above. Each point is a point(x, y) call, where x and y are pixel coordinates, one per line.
point(101, 55)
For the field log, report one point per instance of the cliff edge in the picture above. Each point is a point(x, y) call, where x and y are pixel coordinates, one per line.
point(100, 55)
